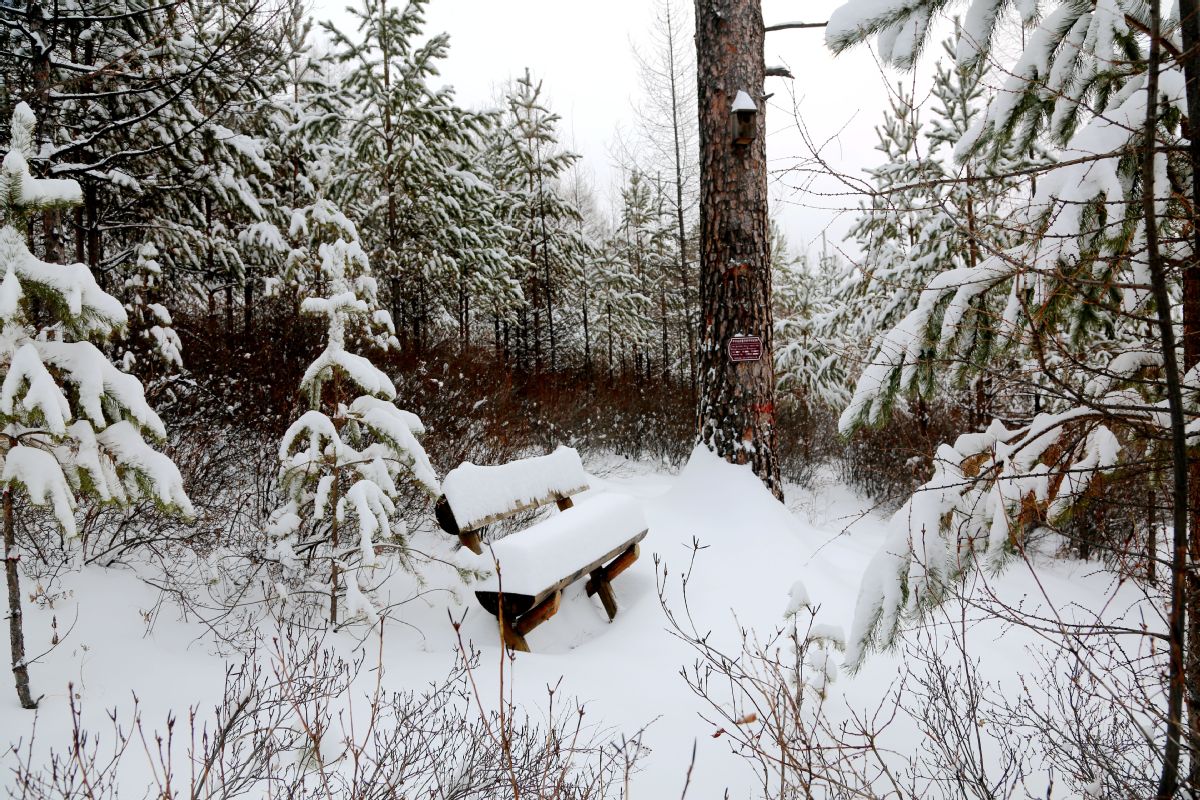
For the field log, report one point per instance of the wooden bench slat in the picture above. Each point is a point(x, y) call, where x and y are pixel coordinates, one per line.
point(525, 506)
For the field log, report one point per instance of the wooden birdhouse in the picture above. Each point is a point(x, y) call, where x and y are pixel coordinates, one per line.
point(745, 122)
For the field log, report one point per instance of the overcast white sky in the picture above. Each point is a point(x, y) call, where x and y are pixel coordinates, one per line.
point(582, 50)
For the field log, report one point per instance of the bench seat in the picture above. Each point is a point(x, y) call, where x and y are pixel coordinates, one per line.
point(543, 555)
point(598, 538)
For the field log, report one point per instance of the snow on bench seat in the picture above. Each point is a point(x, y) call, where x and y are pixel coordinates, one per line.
point(479, 496)
point(538, 558)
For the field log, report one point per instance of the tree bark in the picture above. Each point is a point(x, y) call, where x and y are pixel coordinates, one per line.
point(16, 633)
point(1168, 783)
point(736, 409)
point(1190, 25)
point(95, 252)
point(41, 67)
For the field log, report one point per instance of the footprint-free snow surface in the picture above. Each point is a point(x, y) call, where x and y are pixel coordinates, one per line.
point(743, 552)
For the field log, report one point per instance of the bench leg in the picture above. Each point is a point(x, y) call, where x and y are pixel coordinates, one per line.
point(472, 542)
point(616, 566)
point(603, 588)
point(538, 614)
point(512, 640)
point(513, 633)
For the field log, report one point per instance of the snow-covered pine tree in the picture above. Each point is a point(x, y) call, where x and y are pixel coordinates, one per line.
point(73, 424)
point(668, 122)
point(530, 166)
point(878, 291)
point(427, 215)
point(639, 288)
point(302, 129)
point(587, 289)
point(927, 215)
point(343, 462)
point(1074, 60)
point(150, 346)
point(226, 179)
point(809, 357)
point(123, 90)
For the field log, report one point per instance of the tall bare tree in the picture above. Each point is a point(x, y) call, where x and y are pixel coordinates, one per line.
point(666, 117)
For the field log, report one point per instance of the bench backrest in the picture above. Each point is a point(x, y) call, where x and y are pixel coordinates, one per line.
point(476, 496)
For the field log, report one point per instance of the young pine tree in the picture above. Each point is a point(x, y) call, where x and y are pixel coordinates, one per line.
point(544, 226)
point(73, 424)
point(427, 214)
point(344, 460)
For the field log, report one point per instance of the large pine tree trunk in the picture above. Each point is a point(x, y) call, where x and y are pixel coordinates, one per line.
point(736, 413)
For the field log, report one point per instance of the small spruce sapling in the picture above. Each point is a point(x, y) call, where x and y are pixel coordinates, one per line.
point(342, 461)
point(74, 425)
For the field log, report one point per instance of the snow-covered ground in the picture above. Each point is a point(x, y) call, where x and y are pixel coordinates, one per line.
point(751, 551)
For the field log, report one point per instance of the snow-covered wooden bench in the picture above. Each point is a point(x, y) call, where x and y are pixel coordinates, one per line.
point(597, 538)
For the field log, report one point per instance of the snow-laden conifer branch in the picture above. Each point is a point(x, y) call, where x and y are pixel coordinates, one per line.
point(80, 421)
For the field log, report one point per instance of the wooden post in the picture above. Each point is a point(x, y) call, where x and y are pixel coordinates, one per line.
point(445, 518)
point(604, 589)
point(471, 541)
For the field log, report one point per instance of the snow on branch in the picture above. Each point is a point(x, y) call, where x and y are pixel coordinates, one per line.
point(988, 492)
point(73, 422)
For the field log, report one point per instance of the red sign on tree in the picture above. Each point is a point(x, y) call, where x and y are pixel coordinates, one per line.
point(745, 348)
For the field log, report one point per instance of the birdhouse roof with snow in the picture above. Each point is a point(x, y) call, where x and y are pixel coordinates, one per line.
point(743, 102)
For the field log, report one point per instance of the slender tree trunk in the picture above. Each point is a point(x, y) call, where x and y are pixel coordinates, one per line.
point(547, 280)
point(247, 308)
point(537, 340)
point(1169, 775)
point(736, 414)
point(1151, 537)
point(587, 342)
point(680, 222)
point(80, 236)
point(95, 251)
point(610, 344)
point(53, 241)
point(333, 562)
point(16, 633)
point(1190, 24)
point(666, 338)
